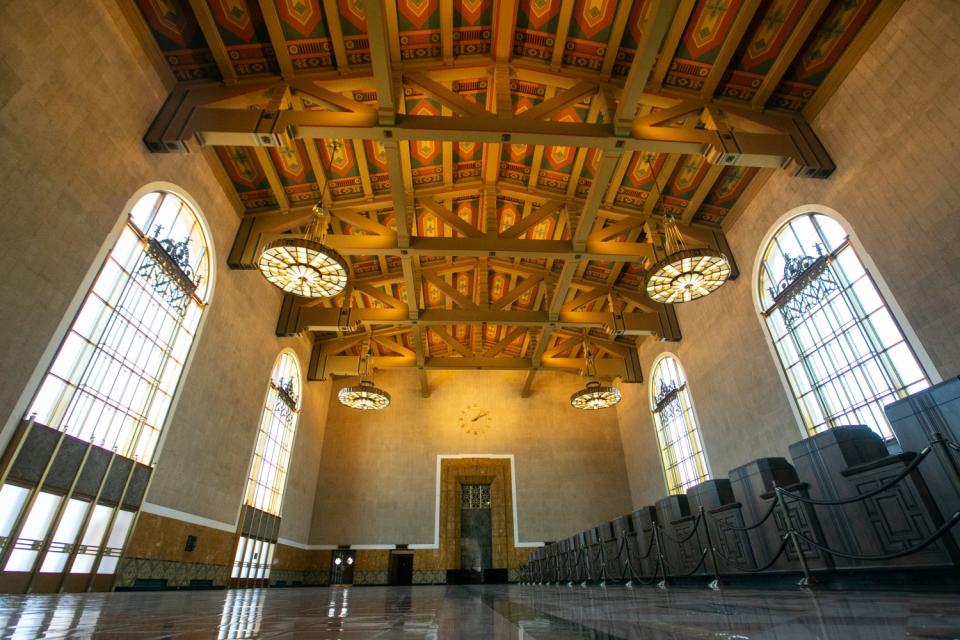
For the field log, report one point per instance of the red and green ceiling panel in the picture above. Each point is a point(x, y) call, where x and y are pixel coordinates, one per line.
point(247, 176)
point(293, 168)
point(515, 159)
point(730, 186)
point(305, 30)
point(638, 180)
point(419, 27)
point(830, 38)
point(472, 27)
point(353, 23)
point(558, 161)
point(178, 35)
point(536, 28)
point(631, 36)
point(340, 164)
point(703, 37)
point(589, 33)
point(245, 36)
point(761, 44)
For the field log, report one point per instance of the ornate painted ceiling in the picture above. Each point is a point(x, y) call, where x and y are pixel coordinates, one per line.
point(739, 61)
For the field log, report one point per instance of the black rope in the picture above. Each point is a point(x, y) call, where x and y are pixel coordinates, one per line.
point(703, 557)
point(890, 556)
point(858, 498)
point(696, 525)
point(783, 546)
point(773, 505)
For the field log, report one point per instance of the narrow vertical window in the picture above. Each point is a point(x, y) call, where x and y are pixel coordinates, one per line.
point(678, 435)
point(843, 352)
point(263, 497)
point(94, 424)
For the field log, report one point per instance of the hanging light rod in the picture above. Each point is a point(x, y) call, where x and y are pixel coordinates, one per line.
point(593, 395)
point(365, 395)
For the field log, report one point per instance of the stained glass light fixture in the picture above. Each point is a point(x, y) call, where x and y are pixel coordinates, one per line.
point(685, 274)
point(304, 266)
point(594, 395)
point(365, 395)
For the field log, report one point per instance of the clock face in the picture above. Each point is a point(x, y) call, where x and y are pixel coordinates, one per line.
point(475, 419)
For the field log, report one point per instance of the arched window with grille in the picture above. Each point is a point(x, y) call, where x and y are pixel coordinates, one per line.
point(843, 352)
point(96, 419)
point(263, 498)
point(678, 433)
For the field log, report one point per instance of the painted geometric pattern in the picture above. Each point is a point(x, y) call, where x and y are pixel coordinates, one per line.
point(631, 36)
point(830, 38)
point(590, 165)
point(293, 167)
point(377, 165)
point(247, 176)
point(638, 179)
point(760, 46)
point(419, 25)
point(353, 22)
point(687, 176)
point(340, 166)
point(515, 159)
point(429, 226)
point(536, 28)
point(730, 186)
point(704, 35)
point(558, 160)
point(472, 27)
point(178, 35)
point(426, 156)
point(589, 33)
point(244, 33)
point(305, 30)
point(468, 156)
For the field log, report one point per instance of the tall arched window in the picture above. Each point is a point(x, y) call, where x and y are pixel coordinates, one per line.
point(843, 352)
point(678, 434)
point(111, 384)
point(259, 522)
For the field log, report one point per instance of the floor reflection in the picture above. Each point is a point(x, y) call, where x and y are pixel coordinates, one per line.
point(500, 612)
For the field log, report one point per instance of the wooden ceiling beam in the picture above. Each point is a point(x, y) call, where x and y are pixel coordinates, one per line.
point(268, 9)
point(450, 291)
point(446, 31)
point(452, 342)
point(591, 205)
point(670, 43)
point(324, 365)
point(748, 9)
point(563, 30)
point(506, 341)
point(803, 28)
point(449, 218)
point(380, 61)
point(208, 26)
point(656, 20)
point(504, 22)
point(517, 292)
point(446, 96)
point(332, 14)
point(530, 221)
point(552, 106)
point(616, 37)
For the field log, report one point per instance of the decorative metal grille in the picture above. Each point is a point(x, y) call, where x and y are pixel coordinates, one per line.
point(668, 400)
point(806, 283)
point(166, 268)
point(475, 496)
point(287, 393)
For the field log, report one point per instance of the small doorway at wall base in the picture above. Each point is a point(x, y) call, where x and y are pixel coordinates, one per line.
point(400, 571)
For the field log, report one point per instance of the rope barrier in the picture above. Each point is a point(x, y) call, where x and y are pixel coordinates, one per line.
point(860, 497)
point(773, 506)
point(889, 556)
point(783, 546)
point(696, 525)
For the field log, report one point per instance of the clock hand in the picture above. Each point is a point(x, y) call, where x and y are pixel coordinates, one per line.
point(480, 416)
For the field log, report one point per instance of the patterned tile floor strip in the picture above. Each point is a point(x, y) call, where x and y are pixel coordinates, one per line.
point(484, 612)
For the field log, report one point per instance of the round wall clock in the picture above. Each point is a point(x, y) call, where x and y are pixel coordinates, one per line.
point(474, 419)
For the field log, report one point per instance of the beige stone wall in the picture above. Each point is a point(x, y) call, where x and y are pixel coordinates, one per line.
point(377, 483)
point(892, 129)
point(76, 95)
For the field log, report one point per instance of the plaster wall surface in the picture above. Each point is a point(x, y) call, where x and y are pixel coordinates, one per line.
point(77, 94)
point(893, 129)
point(377, 483)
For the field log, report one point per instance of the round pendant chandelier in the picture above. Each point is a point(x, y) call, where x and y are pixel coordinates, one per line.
point(365, 395)
point(685, 274)
point(304, 266)
point(594, 395)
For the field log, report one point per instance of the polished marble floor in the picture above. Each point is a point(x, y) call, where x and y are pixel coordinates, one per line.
point(484, 612)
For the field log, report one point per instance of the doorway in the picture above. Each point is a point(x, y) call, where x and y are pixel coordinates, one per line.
point(400, 569)
point(341, 566)
point(476, 545)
